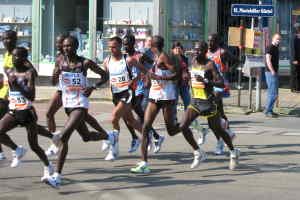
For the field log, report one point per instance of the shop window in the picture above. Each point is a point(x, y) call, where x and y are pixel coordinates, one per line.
point(16, 15)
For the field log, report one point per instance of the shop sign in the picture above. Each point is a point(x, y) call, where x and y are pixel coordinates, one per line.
point(252, 10)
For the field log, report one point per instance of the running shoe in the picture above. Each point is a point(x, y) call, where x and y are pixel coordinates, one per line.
point(135, 143)
point(17, 156)
point(105, 145)
point(231, 134)
point(57, 177)
point(150, 143)
point(158, 143)
point(113, 152)
point(54, 180)
point(56, 139)
point(234, 159)
point(48, 171)
point(219, 147)
point(199, 156)
point(142, 168)
point(2, 156)
point(202, 138)
point(52, 150)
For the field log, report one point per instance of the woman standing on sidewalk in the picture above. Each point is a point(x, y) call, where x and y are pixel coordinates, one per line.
point(183, 88)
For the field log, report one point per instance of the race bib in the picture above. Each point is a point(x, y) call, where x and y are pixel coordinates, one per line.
point(119, 82)
point(198, 88)
point(18, 102)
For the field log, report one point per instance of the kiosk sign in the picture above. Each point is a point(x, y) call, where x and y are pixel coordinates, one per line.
point(252, 10)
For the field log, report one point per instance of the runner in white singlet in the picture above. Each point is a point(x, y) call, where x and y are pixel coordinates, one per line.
point(121, 82)
point(75, 92)
point(162, 96)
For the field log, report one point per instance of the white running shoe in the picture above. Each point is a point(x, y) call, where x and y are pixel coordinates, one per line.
point(231, 134)
point(2, 156)
point(105, 145)
point(158, 143)
point(54, 180)
point(17, 156)
point(48, 171)
point(150, 144)
point(234, 159)
point(135, 143)
point(202, 138)
point(110, 156)
point(57, 177)
point(113, 152)
point(52, 150)
point(219, 147)
point(199, 156)
point(56, 139)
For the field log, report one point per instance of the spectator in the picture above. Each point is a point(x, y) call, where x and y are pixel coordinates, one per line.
point(295, 67)
point(183, 88)
point(272, 62)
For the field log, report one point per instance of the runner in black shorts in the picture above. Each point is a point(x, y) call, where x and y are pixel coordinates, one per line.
point(162, 96)
point(21, 81)
point(205, 76)
point(138, 87)
point(121, 82)
point(75, 92)
point(56, 103)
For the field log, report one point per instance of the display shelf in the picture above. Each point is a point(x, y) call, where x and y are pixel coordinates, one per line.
point(186, 40)
point(3, 49)
point(137, 38)
point(24, 36)
point(136, 25)
point(186, 26)
point(16, 23)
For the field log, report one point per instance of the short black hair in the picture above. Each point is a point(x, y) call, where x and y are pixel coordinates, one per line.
point(22, 51)
point(177, 44)
point(130, 38)
point(203, 45)
point(117, 39)
point(12, 34)
point(62, 35)
point(158, 42)
point(74, 40)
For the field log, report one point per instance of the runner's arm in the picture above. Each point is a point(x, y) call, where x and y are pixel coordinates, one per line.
point(98, 70)
point(56, 73)
point(28, 90)
point(217, 79)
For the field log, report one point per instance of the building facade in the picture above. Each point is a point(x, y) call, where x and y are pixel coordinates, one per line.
point(38, 22)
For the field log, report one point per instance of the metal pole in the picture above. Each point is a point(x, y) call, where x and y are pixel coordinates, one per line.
point(92, 29)
point(258, 75)
point(241, 58)
point(250, 75)
point(250, 91)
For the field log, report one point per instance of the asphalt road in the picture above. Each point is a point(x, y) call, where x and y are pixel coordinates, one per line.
point(269, 165)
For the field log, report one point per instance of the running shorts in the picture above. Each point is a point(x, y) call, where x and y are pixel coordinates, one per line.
point(24, 117)
point(163, 103)
point(69, 110)
point(125, 96)
point(203, 107)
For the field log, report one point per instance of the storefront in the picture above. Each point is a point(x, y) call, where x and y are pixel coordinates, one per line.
point(186, 22)
point(16, 15)
point(286, 21)
point(93, 22)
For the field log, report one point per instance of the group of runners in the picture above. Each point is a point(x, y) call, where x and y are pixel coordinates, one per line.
point(144, 83)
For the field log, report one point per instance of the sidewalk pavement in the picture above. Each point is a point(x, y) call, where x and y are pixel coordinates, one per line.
point(288, 104)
